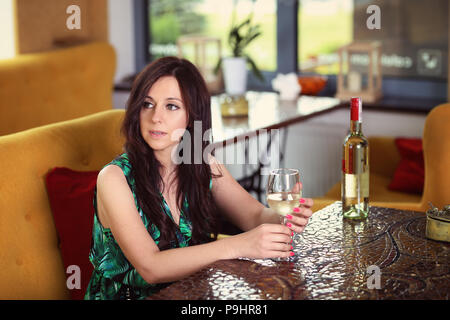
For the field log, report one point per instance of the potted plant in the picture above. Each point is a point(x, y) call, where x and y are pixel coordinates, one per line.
point(234, 67)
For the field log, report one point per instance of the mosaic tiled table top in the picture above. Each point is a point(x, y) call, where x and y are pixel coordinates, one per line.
point(386, 256)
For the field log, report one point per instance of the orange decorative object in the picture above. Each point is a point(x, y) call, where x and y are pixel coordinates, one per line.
point(312, 85)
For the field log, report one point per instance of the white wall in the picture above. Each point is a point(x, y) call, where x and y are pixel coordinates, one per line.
point(378, 123)
point(121, 36)
point(321, 159)
point(315, 146)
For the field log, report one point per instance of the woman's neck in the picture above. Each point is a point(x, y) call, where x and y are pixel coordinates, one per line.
point(168, 166)
point(165, 158)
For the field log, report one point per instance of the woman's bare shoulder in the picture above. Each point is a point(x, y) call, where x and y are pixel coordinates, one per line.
point(114, 197)
point(110, 173)
point(111, 183)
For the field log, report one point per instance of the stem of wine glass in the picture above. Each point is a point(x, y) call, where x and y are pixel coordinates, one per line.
point(283, 221)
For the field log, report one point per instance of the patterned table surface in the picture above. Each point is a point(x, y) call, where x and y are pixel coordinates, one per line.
point(335, 259)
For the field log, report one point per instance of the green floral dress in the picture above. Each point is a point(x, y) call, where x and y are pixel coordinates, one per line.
point(114, 277)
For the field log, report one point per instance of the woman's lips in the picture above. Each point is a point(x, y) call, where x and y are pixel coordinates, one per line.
point(157, 134)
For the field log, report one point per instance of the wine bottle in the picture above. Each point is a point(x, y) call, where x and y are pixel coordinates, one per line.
point(355, 167)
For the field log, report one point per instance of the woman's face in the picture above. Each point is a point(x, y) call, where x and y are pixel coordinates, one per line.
point(164, 118)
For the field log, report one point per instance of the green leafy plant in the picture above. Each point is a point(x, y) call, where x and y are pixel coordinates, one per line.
point(239, 37)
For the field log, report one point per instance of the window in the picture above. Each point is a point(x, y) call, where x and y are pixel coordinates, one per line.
point(303, 36)
point(7, 30)
point(324, 26)
point(414, 36)
point(170, 19)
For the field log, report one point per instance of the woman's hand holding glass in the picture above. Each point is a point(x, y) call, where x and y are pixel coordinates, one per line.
point(298, 219)
point(265, 241)
point(284, 196)
point(271, 240)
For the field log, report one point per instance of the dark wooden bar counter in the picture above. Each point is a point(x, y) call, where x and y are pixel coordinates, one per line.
point(331, 262)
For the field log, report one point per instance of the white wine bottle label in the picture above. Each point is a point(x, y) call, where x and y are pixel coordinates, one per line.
point(351, 185)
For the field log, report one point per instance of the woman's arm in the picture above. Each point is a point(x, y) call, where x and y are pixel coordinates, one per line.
point(265, 241)
point(236, 203)
point(245, 211)
point(117, 211)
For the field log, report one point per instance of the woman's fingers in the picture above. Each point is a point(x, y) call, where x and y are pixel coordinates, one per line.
point(297, 228)
point(277, 238)
point(276, 228)
point(295, 219)
point(297, 187)
point(280, 254)
point(304, 209)
point(298, 220)
point(281, 238)
point(302, 212)
point(280, 250)
point(306, 202)
point(277, 246)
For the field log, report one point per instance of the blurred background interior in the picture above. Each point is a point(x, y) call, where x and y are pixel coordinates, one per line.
point(295, 36)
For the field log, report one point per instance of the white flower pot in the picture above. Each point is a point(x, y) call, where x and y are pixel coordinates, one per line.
point(235, 75)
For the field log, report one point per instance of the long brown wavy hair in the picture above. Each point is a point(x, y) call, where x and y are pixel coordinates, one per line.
point(193, 179)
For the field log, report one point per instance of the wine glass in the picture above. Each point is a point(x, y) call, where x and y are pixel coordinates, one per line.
point(283, 191)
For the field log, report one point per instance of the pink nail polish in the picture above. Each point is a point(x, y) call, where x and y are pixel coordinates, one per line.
point(292, 247)
point(302, 200)
point(291, 253)
point(288, 216)
point(296, 209)
point(288, 225)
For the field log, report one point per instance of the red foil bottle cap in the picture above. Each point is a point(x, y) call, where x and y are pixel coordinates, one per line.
point(356, 109)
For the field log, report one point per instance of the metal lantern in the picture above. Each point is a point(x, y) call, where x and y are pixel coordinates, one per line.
point(360, 71)
point(202, 45)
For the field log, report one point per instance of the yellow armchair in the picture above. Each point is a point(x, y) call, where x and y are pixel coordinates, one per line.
point(384, 158)
point(47, 87)
point(31, 262)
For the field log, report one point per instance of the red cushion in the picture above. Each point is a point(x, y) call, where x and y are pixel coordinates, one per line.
point(71, 194)
point(410, 173)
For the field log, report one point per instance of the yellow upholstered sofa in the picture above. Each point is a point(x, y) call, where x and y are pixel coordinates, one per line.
point(47, 87)
point(30, 259)
point(384, 158)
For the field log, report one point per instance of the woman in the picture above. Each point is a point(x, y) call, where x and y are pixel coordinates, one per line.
point(155, 220)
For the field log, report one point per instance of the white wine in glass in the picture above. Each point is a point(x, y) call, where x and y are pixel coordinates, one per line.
point(283, 203)
point(283, 191)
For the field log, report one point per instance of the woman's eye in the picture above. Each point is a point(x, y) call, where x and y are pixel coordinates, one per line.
point(148, 104)
point(172, 107)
